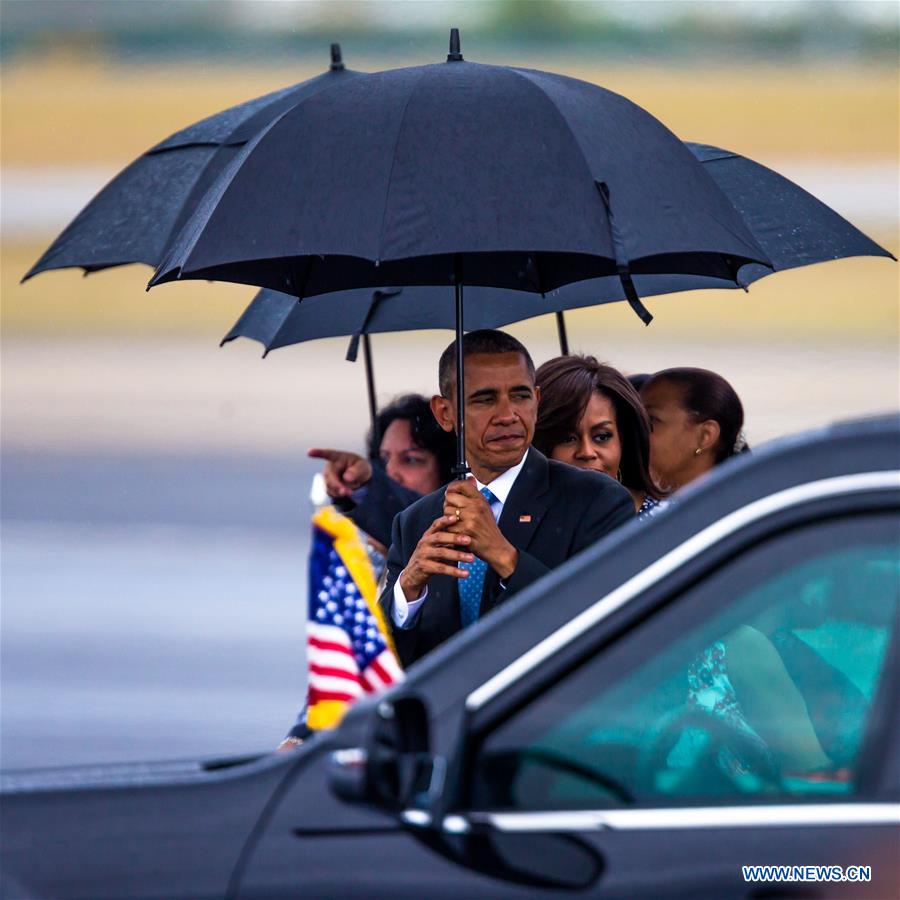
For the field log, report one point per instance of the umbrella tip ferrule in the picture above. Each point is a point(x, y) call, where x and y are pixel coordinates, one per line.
point(337, 60)
point(454, 55)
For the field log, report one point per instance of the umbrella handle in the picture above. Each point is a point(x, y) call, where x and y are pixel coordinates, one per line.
point(370, 389)
point(460, 470)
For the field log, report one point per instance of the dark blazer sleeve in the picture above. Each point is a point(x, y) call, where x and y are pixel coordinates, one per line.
point(396, 560)
point(404, 537)
point(614, 507)
point(381, 502)
point(528, 569)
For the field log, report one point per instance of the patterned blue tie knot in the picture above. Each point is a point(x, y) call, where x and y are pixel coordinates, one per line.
point(470, 588)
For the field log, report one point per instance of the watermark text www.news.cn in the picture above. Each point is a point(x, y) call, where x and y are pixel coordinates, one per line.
point(806, 873)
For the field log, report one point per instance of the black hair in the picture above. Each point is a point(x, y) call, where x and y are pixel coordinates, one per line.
point(707, 395)
point(485, 340)
point(423, 427)
point(639, 380)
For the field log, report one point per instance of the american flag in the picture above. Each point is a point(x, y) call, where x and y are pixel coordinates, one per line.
point(349, 653)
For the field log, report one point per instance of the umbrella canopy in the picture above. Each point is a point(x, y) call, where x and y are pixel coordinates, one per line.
point(134, 218)
point(792, 227)
point(460, 173)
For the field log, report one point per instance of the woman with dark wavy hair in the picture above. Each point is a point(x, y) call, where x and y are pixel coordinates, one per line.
point(591, 417)
point(414, 450)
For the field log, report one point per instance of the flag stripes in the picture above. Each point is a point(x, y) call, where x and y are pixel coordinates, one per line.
point(349, 653)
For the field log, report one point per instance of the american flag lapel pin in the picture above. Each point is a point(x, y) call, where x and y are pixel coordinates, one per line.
point(524, 520)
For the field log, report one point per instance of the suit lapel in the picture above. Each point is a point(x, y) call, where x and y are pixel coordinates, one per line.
point(524, 508)
point(527, 501)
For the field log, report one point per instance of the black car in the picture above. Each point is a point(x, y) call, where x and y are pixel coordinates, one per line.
point(698, 695)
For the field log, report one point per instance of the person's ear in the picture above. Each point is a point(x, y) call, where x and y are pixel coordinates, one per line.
point(442, 409)
point(537, 393)
point(709, 434)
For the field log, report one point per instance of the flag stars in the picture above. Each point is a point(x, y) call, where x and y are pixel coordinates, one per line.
point(337, 602)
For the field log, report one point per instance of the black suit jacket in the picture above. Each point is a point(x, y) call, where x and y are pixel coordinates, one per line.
point(552, 512)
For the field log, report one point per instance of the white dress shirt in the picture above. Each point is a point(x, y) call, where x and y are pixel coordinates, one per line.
point(404, 611)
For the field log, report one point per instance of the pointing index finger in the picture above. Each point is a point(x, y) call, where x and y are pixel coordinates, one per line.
point(324, 453)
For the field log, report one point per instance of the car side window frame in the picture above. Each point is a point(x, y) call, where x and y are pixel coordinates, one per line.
point(697, 594)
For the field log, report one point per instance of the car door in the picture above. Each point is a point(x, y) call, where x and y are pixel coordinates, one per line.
point(749, 722)
point(625, 774)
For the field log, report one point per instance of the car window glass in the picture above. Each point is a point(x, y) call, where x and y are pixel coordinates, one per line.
point(757, 682)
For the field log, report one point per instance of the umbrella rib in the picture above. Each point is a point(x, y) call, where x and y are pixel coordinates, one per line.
point(272, 345)
point(525, 75)
point(620, 258)
point(183, 244)
point(387, 191)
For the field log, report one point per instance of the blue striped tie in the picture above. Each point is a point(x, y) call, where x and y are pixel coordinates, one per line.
point(470, 588)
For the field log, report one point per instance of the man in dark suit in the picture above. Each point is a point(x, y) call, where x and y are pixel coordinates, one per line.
point(458, 552)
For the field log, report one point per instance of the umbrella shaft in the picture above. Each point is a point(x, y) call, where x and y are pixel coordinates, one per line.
point(563, 337)
point(370, 388)
point(461, 468)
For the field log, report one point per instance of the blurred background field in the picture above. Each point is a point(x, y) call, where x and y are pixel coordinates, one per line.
point(154, 512)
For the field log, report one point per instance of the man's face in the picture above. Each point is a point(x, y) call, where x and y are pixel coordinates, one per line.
point(501, 410)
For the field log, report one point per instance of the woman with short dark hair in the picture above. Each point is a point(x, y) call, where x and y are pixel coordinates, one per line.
point(697, 422)
point(591, 417)
point(414, 450)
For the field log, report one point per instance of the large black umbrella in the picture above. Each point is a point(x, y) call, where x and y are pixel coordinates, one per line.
point(792, 227)
point(461, 174)
point(436, 174)
point(136, 215)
